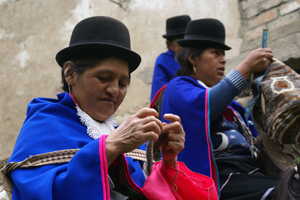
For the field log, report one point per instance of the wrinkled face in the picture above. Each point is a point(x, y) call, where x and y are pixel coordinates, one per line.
point(210, 66)
point(100, 90)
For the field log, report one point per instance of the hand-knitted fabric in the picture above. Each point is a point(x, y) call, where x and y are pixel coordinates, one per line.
point(279, 103)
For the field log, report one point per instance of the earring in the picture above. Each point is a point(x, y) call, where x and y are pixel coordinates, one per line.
point(194, 67)
point(69, 87)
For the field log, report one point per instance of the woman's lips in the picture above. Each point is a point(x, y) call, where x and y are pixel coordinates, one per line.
point(221, 70)
point(108, 100)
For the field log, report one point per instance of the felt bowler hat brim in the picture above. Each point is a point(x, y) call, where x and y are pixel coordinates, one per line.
point(203, 43)
point(99, 49)
point(100, 36)
point(204, 33)
point(178, 33)
point(175, 26)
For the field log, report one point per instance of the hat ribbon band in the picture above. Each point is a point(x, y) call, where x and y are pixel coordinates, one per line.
point(197, 37)
point(99, 41)
point(180, 30)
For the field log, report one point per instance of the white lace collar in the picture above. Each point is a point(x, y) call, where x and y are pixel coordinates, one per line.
point(95, 129)
point(201, 83)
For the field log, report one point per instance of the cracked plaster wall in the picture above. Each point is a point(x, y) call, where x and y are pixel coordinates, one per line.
point(281, 18)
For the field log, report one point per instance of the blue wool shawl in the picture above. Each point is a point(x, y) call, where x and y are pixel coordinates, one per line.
point(185, 97)
point(51, 125)
point(164, 70)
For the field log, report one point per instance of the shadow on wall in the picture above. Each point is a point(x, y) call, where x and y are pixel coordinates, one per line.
point(294, 63)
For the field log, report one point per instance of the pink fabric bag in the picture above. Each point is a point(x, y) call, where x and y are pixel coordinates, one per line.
point(169, 183)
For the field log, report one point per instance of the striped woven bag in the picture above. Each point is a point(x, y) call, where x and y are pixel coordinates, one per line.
point(276, 115)
point(280, 103)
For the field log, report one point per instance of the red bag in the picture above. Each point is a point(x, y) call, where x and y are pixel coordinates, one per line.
point(169, 183)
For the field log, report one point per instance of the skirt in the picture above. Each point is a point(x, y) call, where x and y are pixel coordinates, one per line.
point(241, 180)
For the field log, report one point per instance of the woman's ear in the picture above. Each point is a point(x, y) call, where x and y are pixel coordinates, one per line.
point(168, 43)
point(192, 60)
point(69, 73)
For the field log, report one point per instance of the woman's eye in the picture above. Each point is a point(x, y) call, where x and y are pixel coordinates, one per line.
point(103, 79)
point(122, 85)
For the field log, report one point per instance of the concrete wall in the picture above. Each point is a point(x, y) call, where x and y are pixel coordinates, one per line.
point(282, 19)
point(33, 31)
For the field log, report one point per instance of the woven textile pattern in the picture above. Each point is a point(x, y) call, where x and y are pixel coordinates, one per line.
point(279, 103)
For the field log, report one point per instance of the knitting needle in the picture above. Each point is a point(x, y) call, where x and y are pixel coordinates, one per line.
point(264, 38)
point(149, 155)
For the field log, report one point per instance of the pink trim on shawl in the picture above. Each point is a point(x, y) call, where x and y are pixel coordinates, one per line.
point(206, 130)
point(103, 167)
point(128, 176)
point(213, 169)
point(156, 96)
point(72, 98)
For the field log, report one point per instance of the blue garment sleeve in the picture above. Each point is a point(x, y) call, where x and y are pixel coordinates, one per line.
point(185, 97)
point(164, 70)
point(159, 78)
point(222, 94)
point(53, 125)
point(81, 178)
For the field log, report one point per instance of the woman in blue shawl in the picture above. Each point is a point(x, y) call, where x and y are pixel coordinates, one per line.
point(96, 71)
point(218, 143)
point(166, 65)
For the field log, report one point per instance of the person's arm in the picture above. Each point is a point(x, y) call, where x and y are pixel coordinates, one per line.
point(223, 93)
point(84, 177)
point(257, 61)
point(144, 126)
point(174, 142)
point(133, 132)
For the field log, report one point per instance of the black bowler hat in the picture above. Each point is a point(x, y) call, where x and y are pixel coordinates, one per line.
point(96, 36)
point(176, 25)
point(204, 32)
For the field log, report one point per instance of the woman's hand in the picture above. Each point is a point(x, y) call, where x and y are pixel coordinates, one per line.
point(257, 61)
point(174, 143)
point(132, 133)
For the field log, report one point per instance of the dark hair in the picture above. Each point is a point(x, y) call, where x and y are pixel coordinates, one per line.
point(183, 59)
point(172, 38)
point(288, 186)
point(80, 66)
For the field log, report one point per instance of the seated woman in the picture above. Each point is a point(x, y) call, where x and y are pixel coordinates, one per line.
point(218, 144)
point(165, 65)
point(96, 71)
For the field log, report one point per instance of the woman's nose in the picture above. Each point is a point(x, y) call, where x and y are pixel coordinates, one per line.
point(113, 88)
point(223, 60)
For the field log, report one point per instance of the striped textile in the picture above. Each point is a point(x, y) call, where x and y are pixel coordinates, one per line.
point(279, 103)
